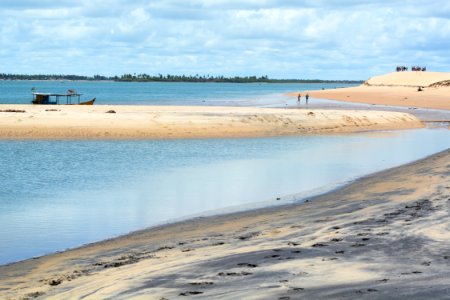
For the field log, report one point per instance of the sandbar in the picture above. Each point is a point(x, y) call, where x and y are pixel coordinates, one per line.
point(150, 122)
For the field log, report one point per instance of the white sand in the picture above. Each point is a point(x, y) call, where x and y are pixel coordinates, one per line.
point(92, 122)
point(409, 78)
point(395, 89)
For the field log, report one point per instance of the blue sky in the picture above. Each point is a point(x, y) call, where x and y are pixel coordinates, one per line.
point(332, 39)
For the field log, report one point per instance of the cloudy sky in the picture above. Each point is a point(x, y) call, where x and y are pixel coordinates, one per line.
point(334, 39)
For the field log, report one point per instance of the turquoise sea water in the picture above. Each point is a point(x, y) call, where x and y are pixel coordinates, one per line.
point(56, 195)
point(60, 194)
point(157, 93)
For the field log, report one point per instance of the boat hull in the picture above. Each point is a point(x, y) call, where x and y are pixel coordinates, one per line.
point(90, 102)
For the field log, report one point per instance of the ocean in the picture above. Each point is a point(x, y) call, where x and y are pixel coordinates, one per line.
point(161, 93)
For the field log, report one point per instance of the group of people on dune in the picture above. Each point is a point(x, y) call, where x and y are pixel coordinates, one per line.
point(413, 68)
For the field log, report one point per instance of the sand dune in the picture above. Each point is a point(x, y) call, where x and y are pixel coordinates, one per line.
point(93, 122)
point(412, 78)
point(395, 89)
point(382, 237)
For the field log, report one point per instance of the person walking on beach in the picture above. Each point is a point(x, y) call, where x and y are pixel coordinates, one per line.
point(299, 98)
point(307, 97)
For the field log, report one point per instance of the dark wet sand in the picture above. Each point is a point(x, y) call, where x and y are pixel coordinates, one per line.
point(385, 236)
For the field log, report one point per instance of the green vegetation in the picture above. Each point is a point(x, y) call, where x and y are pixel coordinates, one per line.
point(169, 78)
point(50, 77)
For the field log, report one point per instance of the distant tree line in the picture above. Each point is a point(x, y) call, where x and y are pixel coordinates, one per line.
point(168, 78)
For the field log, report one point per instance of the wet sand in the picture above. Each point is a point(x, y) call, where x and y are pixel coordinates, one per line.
point(435, 98)
point(384, 236)
point(142, 122)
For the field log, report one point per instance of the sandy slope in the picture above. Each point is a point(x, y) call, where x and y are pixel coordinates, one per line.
point(413, 79)
point(395, 89)
point(40, 121)
point(385, 236)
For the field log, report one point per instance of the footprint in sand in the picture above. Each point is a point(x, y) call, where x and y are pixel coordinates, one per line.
point(164, 248)
point(293, 244)
point(188, 250)
point(34, 295)
point(272, 256)
point(383, 233)
point(248, 236)
point(190, 293)
point(218, 244)
point(247, 265)
point(55, 282)
point(234, 273)
point(202, 283)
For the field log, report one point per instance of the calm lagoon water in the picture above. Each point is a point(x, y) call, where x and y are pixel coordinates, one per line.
point(60, 194)
point(161, 93)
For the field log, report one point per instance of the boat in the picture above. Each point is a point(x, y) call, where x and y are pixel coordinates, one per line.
point(90, 102)
point(71, 98)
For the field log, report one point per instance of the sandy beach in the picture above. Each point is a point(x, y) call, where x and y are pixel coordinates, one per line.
point(383, 236)
point(228, 150)
point(395, 89)
point(135, 122)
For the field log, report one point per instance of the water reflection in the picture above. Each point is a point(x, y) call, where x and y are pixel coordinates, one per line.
point(60, 194)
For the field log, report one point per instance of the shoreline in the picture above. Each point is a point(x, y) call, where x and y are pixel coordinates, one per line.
point(425, 115)
point(167, 122)
point(379, 235)
point(197, 247)
point(408, 89)
point(431, 98)
point(278, 200)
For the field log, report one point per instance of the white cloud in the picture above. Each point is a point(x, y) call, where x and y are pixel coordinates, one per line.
point(301, 39)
